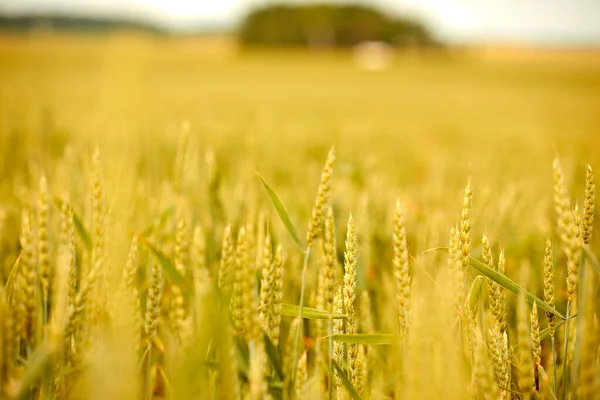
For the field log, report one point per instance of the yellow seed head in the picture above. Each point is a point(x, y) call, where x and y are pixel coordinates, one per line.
point(526, 376)
point(498, 345)
point(573, 251)
point(330, 260)
point(549, 284)
point(323, 194)
point(483, 384)
point(401, 270)
point(43, 252)
point(589, 206)
point(465, 226)
point(275, 315)
point(226, 267)
point(535, 337)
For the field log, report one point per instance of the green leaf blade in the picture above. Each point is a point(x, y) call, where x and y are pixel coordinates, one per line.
point(282, 212)
point(168, 266)
point(475, 291)
point(292, 310)
point(346, 382)
point(511, 286)
point(274, 357)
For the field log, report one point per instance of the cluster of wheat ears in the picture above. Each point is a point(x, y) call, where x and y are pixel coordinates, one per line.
point(184, 323)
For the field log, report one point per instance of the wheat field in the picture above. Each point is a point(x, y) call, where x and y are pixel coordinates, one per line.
point(182, 220)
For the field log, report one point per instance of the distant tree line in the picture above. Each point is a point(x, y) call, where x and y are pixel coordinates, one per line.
point(32, 23)
point(329, 25)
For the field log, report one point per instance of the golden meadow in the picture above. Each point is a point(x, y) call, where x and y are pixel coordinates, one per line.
point(431, 224)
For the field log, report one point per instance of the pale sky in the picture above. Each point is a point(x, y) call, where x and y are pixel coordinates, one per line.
point(534, 21)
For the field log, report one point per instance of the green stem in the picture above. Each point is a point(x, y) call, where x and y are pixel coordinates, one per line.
point(565, 368)
point(578, 321)
point(45, 307)
point(300, 315)
point(330, 332)
point(149, 373)
point(554, 364)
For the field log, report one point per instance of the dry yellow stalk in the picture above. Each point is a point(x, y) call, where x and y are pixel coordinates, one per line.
point(177, 312)
point(486, 253)
point(549, 284)
point(589, 206)
point(267, 286)
point(227, 379)
point(77, 309)
point(455, 270)
point(131, 293)
point(226, 267)
point(573, 252)
point(465, 227)
point(330, 260)
point(338, 328)
point(498, 346)
point(483, 385)
point(301, 376)
point(349, 292)
point(589, 381)
point(153, 304)
point(568, 229)
point(401, 270)
point(43, 251)
point(67, 243)
point(495, 292)
point(535, 337)
point(256, 375)
point(27, 280)
point(497, 296)
point(8, 340)
point(275, 316)
point(323, 194)
point(98, 208)
point(562, 202)
point(526, 375)
point(239, 282)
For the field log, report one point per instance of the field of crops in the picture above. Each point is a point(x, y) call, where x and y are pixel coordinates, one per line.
point(401, 225)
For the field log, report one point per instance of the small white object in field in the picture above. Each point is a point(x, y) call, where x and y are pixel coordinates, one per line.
point(373, 56)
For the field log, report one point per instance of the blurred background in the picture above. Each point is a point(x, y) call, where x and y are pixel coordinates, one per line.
point(417, 96)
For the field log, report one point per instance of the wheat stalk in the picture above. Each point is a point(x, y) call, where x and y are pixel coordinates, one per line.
point(43, 251)
point(589, 206)
point(226, 266)
point(349, 295)
point(401, 270)
point(323, 194)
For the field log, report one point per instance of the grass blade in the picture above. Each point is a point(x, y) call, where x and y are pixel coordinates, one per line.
point(274, 357)
point(510, 285)
point(475, 291)
point(507, 283)
point(367, 338)
point(544, 333)
point(547, 385)
point(40, 360)
point(346, 382)
point(8, 286)
point(592, 258)
point(168, 266)
point(282, 211)
point(292, 310)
